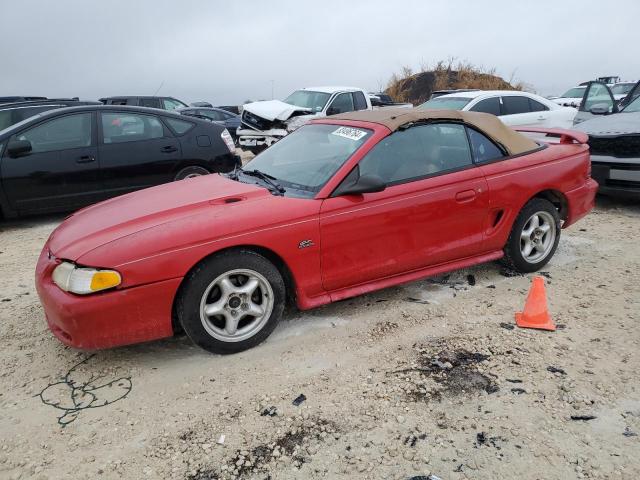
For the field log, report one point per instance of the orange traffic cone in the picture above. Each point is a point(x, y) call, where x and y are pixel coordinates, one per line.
point(536, 313)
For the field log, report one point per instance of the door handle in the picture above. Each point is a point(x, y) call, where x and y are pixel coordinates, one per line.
point(168, 149)
point(465, 196)
point(542, 118)
point(86, 159)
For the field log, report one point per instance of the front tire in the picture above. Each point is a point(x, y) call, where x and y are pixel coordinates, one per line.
point(534, 237)
point(231, 302)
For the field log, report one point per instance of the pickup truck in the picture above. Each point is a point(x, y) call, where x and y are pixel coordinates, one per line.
point(266, 122)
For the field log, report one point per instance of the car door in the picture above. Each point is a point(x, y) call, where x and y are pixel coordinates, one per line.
point(61, 171)
point(430, 213)
point(516, 110)
point(136, 151)
point(342, 103)
point(597, 100)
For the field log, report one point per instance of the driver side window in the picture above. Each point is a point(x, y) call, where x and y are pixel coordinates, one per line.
point(418, 152)
point(341, 104)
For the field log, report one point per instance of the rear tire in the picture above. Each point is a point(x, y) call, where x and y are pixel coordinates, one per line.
point(191, 172)
point(534, 237)
point(231, 302)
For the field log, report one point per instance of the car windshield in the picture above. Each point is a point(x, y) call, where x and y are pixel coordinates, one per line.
point(308, 99)
point(445, 103)
point(622, 88)
point(303, 161)
point(575, 92)
point(633, 106)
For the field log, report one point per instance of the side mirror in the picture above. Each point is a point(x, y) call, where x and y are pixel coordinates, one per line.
point(600, 109)
point(17, 148)
point(364, 184)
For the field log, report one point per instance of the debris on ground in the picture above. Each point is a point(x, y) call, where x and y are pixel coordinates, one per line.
point(507, 326)
point(299, 399)
point(72, 395)
point(584, 418)
point(269, 412)
point(483, 439)
point(471, 280)
point(412, 439)
point(629, 433)
point(417, 300)
point(553, 369)
point(293, 446)
point(453, 371)
point(508, 272)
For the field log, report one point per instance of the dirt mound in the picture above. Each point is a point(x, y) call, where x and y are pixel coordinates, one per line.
point(417, 87)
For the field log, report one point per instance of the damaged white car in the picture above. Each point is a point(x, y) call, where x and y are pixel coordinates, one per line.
point(264, 123)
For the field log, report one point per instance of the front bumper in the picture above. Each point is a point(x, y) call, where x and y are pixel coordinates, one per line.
point(255, 138)
point(617, 177)
point(580, 201)
point(108, 319)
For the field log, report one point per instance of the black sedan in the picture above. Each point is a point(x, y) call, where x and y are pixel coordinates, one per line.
point(218, 115)
point(68, 158)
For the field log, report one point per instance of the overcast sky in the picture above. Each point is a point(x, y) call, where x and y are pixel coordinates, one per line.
point(227, 52)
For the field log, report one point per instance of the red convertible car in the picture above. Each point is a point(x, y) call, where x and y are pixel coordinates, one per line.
point(345, 205)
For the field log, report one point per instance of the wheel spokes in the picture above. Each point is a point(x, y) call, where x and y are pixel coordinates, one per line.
point(249, 287)
point(231, 324)
point(216, 308)
point(534, 222)
point(226, 287)
point(254, 310)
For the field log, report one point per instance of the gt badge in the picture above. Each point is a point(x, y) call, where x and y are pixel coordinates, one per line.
point(306, 243)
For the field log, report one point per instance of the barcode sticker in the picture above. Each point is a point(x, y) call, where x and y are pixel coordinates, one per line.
point(350, 133)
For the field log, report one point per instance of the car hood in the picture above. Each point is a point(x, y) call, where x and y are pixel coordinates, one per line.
point(127, 215)
point(274, 109)
point(615, 124)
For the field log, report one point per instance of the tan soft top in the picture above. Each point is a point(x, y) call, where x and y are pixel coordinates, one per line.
point(394, 118)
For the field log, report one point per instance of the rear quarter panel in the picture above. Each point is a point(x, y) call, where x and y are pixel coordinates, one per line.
point(514, 181)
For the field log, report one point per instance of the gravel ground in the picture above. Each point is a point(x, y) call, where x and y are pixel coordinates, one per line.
point(426, 378)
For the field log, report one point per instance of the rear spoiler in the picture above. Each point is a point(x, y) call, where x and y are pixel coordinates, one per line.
point(566, 136)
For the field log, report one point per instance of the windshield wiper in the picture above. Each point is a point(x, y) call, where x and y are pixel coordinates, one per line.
point(270, 179)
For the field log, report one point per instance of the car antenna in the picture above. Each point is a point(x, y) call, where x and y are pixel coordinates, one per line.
point(156, 92)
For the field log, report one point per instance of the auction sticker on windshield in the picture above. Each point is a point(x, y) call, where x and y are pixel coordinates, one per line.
point(350, 133)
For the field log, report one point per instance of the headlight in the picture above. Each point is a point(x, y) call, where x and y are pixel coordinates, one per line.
point(82, 281)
